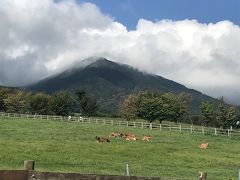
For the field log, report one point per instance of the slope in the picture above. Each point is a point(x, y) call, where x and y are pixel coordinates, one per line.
point(110, 82)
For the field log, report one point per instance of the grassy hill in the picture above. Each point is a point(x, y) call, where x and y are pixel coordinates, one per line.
point(110, 82)
point(71, 147)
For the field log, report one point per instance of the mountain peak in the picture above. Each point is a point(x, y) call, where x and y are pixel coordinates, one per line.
point(86, 63)
point(110, 82)
point(102, 62)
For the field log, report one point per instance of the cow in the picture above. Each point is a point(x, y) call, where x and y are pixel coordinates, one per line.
point(115, 134)
point(203, 145)
point(102, 139)
point(129, 137)
point(146, 138)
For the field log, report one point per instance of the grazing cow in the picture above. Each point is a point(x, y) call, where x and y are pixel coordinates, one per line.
point(102, 139)
point(203, 146)
point(146, 138)
point(129, 137)
point(115, 134)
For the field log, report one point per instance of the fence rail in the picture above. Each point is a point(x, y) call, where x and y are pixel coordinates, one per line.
point(143, 125)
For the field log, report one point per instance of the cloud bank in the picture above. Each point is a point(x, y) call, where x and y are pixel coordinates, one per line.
point(40, 38)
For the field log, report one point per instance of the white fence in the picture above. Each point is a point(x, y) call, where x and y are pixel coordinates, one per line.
point(143, 125)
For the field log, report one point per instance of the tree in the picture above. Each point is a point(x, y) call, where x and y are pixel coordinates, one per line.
point(3, 96)
point(60, 103)
point(208, 113)
point(222, 113)
point(39, 103)
point(168, 108)
point(174, 106)
point(184, 101)
point(88, 104)
point(2, 106)
point(224, 117)
point(17, 102)
point(231, 116)
point(155, 106)
point(128, 108)
point(150, 108)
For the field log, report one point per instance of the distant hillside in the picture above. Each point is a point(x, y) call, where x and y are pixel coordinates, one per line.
point(110, 82)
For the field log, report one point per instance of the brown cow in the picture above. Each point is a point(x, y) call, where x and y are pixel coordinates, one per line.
point(115, 134)
point(129, 137)
point(102, 139)
point(146, 138)
point(203, 145)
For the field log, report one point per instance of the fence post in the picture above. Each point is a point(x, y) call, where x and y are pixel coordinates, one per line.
point(150, 126)
point(160, 126)
point(104, 122)
point(202, 130)
point(180, 128)
point(239, 174)
point(127, 169)
point(29, 165)
point(89, 121)
point(112, 122)
point(134, 124)
point(142, 125)
point(215, 131)
point(191, 129)
point(127, 123)
point(231, 132)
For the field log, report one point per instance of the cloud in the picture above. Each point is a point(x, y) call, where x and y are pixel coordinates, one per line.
point(40, 38)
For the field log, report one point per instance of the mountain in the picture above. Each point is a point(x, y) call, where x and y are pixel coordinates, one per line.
point(110, 82)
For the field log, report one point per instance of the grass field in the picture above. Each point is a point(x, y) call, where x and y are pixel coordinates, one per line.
point(71, 147)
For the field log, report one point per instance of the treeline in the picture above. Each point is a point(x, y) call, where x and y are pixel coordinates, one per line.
point(147, 105)
point(60, 103)
point(153, 106)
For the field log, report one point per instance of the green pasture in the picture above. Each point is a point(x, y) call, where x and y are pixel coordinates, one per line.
point(71, 147)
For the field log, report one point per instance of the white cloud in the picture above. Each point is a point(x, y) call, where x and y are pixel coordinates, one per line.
point(40, 38)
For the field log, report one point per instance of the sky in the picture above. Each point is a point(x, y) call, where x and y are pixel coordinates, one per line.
point(128, 12)
point(195, 43)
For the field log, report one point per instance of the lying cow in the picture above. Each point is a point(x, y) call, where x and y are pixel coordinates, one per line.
point(115, 134)
point(203, 146)
point(102, 139)
point(129, 137)
point(146, 138)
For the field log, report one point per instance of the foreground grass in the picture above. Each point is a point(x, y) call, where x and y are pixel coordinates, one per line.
point(71, 147)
